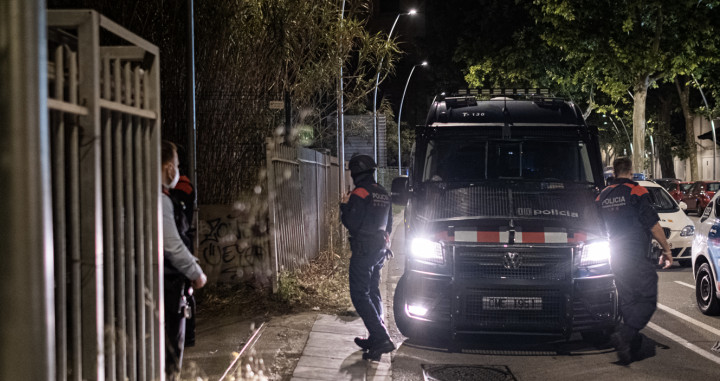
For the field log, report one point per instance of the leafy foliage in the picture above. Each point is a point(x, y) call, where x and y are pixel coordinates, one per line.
point(578, 47)
point(248, 53)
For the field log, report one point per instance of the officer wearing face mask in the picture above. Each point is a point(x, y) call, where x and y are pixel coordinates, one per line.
point(181, 267)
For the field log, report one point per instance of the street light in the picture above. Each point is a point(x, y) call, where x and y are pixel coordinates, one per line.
point(377, 82)
point(400, 113)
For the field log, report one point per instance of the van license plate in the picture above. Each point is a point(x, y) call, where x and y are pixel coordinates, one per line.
point(511, 303)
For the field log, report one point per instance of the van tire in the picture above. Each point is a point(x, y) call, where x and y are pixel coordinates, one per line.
point(705, 292)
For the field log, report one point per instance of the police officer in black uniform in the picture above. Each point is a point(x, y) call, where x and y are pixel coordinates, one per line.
point(631, 224)
point(367, 214)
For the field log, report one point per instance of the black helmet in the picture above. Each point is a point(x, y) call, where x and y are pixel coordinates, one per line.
point(361, 164)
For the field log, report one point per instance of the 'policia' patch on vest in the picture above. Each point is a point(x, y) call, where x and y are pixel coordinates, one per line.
point(613, 202)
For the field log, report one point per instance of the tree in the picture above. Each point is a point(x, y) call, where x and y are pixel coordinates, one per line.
point(630, 44)
point(501, 54)
point(696, 51)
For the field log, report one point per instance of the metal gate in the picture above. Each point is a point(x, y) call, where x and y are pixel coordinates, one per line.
point(104, 101)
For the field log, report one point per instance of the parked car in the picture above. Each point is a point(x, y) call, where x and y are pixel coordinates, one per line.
point(679, 229)
point(685, 186)
point(705, 258)
point(673, 187)
point(699, 195)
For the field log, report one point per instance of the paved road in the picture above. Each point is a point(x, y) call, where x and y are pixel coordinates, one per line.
point(679, 348)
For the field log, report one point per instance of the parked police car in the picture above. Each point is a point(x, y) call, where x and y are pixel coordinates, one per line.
point(706, 258)
point(679, 229)
point(502, 228)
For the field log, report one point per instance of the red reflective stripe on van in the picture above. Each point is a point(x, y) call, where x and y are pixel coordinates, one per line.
point(488, 236)
point(530, 237)
point(577, 237)
point(444, 236)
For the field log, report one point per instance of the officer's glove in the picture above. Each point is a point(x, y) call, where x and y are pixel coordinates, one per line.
point(389, 254)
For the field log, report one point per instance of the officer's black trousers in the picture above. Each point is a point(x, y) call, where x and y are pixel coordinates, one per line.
point(365, 265)
point(636, 280)
point(174, 325)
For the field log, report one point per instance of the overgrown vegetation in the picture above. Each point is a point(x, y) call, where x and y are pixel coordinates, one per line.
point(321, 285)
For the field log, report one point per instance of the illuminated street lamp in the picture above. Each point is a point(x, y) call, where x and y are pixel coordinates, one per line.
point(377, 82)
point(400, 114)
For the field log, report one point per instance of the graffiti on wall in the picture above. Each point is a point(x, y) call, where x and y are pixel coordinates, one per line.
point(231, 250)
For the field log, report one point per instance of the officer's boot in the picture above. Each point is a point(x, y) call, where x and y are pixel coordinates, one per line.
point(364, 344)
point(622, 340)
point(378, 349)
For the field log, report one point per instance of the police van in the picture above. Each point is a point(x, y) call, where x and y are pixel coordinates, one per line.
point(501, 228)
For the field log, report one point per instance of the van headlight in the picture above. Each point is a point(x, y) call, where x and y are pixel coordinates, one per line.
point(426, 250)
point(595, 253)
point(687, 231)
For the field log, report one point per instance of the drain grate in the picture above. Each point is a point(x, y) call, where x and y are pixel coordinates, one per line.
point(467, 372)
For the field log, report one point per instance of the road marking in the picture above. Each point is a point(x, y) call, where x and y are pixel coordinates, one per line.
point(688, 319)
point(685, 284)
point(684, 343)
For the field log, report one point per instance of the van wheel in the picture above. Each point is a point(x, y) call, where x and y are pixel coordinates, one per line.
point(404, 323)
point(705, 291)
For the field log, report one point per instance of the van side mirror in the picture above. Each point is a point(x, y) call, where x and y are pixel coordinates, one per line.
point(399, 191)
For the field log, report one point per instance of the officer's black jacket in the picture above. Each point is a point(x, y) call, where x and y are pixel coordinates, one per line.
point(368, 212)
point(629, 217)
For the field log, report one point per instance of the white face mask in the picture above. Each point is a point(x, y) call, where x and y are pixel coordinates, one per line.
point(175, 179)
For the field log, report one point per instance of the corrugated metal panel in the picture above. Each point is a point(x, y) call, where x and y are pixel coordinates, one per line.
point(302, 194)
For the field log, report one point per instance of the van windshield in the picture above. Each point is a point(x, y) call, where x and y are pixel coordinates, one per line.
point(454, 160)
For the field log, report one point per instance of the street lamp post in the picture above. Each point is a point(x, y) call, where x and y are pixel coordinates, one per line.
point(341, 119)
point(400, 114)
point(377, 82)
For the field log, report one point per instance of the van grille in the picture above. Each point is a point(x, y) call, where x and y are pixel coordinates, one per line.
point(473, 262)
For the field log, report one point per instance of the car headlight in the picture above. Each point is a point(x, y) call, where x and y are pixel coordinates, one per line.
point(687, 231)
point(426, 250)
point(595, 253)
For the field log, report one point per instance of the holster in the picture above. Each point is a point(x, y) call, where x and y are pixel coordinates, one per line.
point(189, 315)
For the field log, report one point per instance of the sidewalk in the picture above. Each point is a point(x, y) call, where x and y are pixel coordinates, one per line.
point(323, 343)
point(331, 354)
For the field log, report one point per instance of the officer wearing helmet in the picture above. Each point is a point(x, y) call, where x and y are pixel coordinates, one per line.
point(367, 214)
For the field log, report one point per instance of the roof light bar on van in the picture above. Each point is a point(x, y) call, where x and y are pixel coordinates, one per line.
point(547, 101)
point(505, 91)
point(455, 102)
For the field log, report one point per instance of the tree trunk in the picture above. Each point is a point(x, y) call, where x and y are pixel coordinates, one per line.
point(639, 100)
point(667, 169)
point(684, 93)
